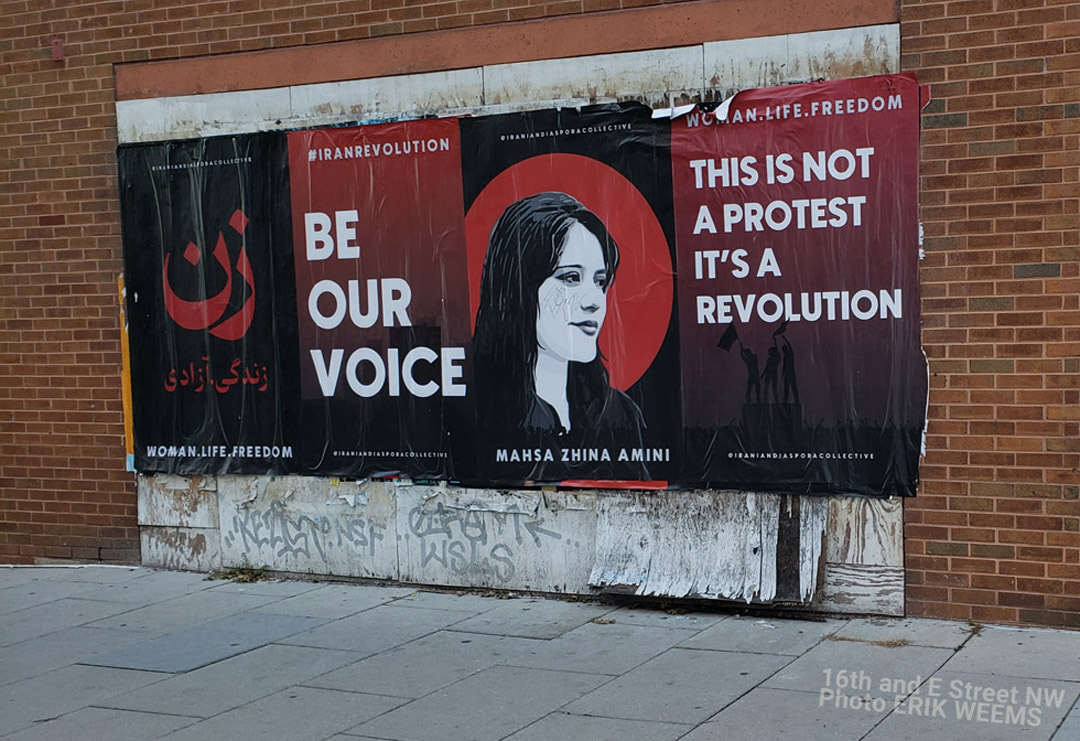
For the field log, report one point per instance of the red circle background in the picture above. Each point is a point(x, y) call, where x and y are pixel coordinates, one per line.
point(640, 299)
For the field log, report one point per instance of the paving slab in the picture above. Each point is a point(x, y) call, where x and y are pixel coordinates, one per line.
point(33, 593)
point(376, 630)
point(282, 588)
point(856, 668)
point(186, 611)
point(679, 686)
point(55, 650)
point(473, 604)
point(601, 648)
point(152, 586)
point(86, 573)
point(103, 723)
point(1070, 729)
point(53, 616)
point(425, 664)
point(1035, 653)
point(233, 682)
point(567, 726)
point(488, 705)
point(933, 633)
point(64, 690)
point(13, 576)
point(296, 713)
point(205, 644)
point(335, 601)
point(764, 635)
point(533, 618)
point(980, 706)
point(766, 715)
point(663, 619)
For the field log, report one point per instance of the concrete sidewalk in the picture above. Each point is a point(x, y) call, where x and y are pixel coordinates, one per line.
point(131, 653)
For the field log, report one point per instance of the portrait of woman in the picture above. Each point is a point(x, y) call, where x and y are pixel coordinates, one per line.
point(543, 300)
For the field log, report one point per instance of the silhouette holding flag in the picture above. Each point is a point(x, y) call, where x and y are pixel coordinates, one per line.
point(753, 380)
point(730, 338)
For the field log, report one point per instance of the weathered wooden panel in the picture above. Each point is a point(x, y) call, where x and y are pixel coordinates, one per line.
point(864, 556)
point(814, 514)
point(866, 531)
point(484, 538)
point(181, 548)
point(178, 501)
point(861, 588)
point(308, 525)
point(713, 545)
point(716, 545)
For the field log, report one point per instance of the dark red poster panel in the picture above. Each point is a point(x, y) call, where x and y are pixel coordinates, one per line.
point(797, 260)
point(382, 297)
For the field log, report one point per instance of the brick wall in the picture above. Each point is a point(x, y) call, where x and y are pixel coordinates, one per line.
point(63, 490)
point(995, 532)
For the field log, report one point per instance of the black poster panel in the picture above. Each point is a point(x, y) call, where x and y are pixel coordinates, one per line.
point(211, 308)
point(574, 356)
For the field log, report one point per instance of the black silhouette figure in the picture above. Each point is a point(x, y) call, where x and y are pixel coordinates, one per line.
point(753, 380)
point(772, 367)
point(787, 372)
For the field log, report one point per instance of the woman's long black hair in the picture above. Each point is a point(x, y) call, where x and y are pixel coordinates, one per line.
point(524, 250)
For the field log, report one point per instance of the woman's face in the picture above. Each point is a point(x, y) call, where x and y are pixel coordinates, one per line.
point(573, 299)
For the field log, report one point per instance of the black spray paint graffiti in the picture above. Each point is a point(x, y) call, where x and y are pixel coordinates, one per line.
point(299, 536)
point(459, 539)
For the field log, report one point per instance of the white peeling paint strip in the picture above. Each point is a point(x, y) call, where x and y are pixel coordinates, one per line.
point(741, 64)
point(660, 77)
point(379, 99)
point(192, 116)
point(688, 544)
point(813, 516)
point(596, 78)
point(382, 98)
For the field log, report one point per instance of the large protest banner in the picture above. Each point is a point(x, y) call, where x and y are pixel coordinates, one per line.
point(571, 297)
